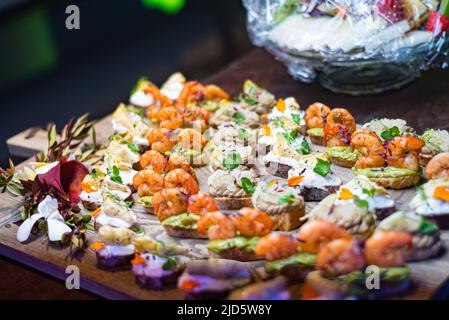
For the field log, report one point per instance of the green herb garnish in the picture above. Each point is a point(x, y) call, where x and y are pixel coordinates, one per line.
point(115, 175)
point(242, 134)
point(360, 202)
point(305, 147)
point(170, 263)
point(239, 117)
point(232, 160)
point(296, 118)
point(138, 84)
point(247, 185)
point(391, 133)
point(322, 167)
point(370, 192)
point(286, 199)
point(427, 227)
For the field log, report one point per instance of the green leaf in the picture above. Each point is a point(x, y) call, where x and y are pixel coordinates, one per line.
point(137, 229)
point(322, 167)
point(117, 179)
point(427, 227)
point(239, 117)
point(52, 136)
point(138, 84)
point(115, 171)
point(170, 263)
point(296, 118)
point(242, 134)
point(247, 185)
point(370, 192)
point(232, 160)
point(90, 227)
point(391, 133)
point(133, 147)
point(361, 203)
point(286, 199)
point(250, 101)
point(87, 218)
point(305, 147)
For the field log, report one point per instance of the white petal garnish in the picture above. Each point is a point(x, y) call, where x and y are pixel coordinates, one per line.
point(105, 220)
point(48, 206)
point(23, 233)
point(44, 169)
point(56, 229)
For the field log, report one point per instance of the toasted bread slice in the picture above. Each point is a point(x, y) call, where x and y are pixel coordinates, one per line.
point(179, 232)
point(236, 254)
point(345, 163)
point(398, 183)
point(229, 203)
point(318, 140)
point(288, 221)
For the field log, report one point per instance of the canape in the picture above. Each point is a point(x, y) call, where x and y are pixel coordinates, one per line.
point(256, 98)
point(426, 241)
point(275, 289)
point(315, 118)
point(392, 164)
point(114, 251)
point(288, 148)
point(233, 189)
point(184, 225)
point(124, 117)
point(214, 278)
point(314, 178)
point(114, 212)
point(340, 124)
point(341, 267)
point(234, 112)
point(235, 237)
point(288, 113)
point(140, 96)
point(284, 204)
point(432, 201)
point(437, 141)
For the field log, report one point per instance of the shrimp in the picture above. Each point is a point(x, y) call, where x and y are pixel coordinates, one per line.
point(201, 203)
point(253, 223)
point(192, 91)
point(216, 226)
point(340, 125)
point(169, 202)
point(372, 151)
point(213, 92)
point(403, 152)
point(341, 256)
point(153, 111)
point(315, 234)
point(178, 178)
point(155, 161)
point(275, 246)
point(158, 96)
point(388, 248)
point(148, 182)
point(161, 140)
point(438, 167)
point(170, 118)
point(316, 115)
point(196, 116)
point(191, 139)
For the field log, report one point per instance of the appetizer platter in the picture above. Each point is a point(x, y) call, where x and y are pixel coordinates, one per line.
point(187, 192)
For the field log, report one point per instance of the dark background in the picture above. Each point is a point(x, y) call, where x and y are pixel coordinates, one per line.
point(49, 73)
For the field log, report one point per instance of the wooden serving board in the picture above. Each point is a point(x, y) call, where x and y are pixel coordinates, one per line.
point(37, 253)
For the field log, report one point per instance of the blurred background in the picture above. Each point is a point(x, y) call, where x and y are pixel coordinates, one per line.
point(49, 73)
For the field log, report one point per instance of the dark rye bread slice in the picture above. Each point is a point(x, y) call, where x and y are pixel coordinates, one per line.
point(277, 169)
point(114, 263)
point(236, 254)
point(179, 232)
point(294, 273)
point(159, 283)
point(318, 194)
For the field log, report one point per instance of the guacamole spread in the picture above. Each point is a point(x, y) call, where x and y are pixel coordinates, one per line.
point(185, 220)
point(247, 244)
point(345, 153)
point(316, 132)
point(301, 258)
point(387, 172)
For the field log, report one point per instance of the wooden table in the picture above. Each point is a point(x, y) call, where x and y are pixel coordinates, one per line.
point(425, 103)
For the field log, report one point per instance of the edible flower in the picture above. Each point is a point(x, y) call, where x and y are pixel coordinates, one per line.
point(96, 212)
point(345, 194)
point(294, 181)
point(88, 188)
point(280, 105)
point(188, 284)
point(272, 183)
point(97, 246)
point(267, 129)
point(441, 193)
point(138, 260)
point(48, 210)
